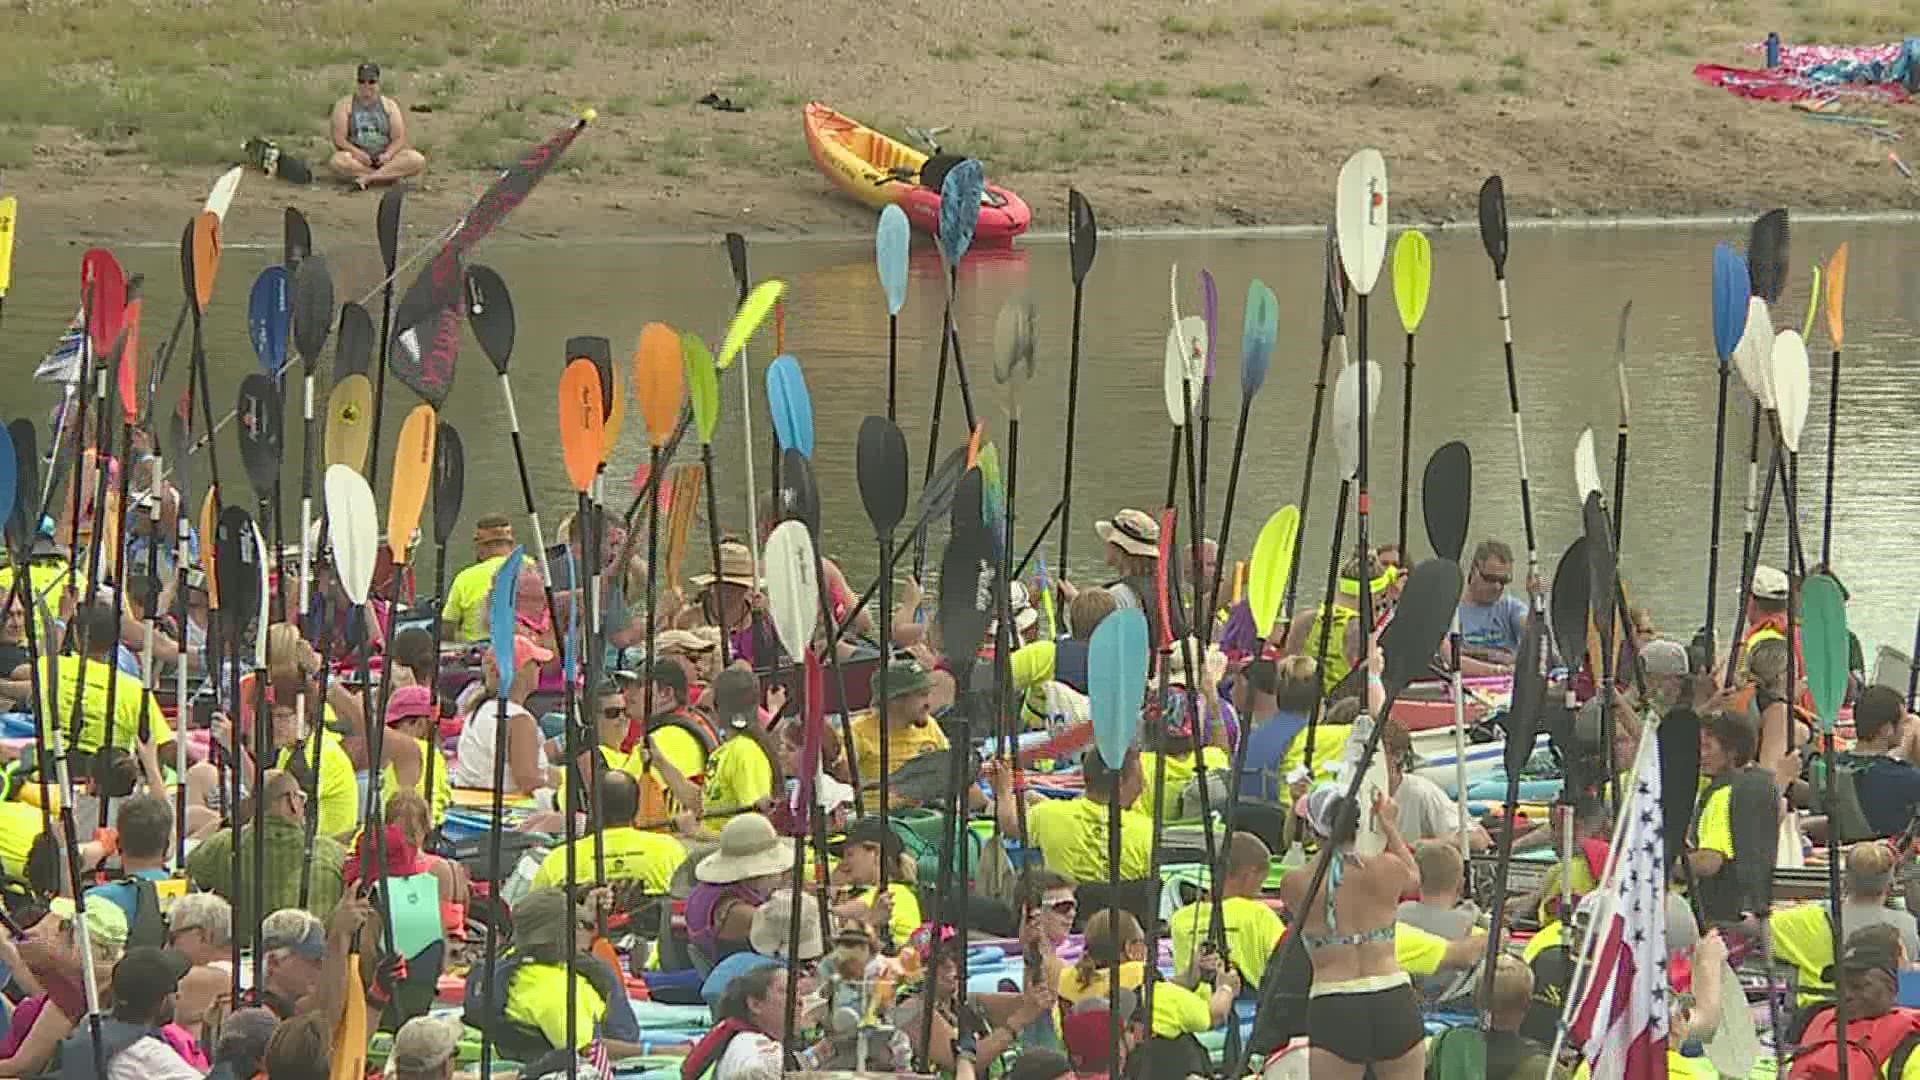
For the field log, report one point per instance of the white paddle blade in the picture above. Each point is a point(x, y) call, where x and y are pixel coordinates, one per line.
point(224, 189)
point(1753, 356)
point(1173, 303)
point(1360, 218)
point(353, 530)
point(1185, 366)
point(793, 586)
point(1788, 378)
point(1586, 470)
point(1346, 413)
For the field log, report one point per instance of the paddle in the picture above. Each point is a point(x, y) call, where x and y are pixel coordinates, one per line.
point(1787, 378)
point(890, 242)
point(296, 238)
point(1360, 221)
point(1210, 316)
point(1332, 326)
point(1602, 581)
point(353, 348)
point(1620, 440)
point(261, 439)
point(1412, 278)
point(791, 405)
point(1259, 331)
point(880, 469)
point(269, 316)
point(793, 602)
point(1767, 250)
point(219, 199)
point(660, 381)
point(583, 420)
point(349, 412)
point(1493, 236)
point(703, 393)
point(236, 562)
point(1731, 288)
point(1446, 504)
point(960, 194)
point(751, 312)
point(1116, 682)
point(312, 304)
point(490, 315)
point(1836, 327)
point(1522, 724)
point(1347, 423)
point(126, 357)
point(1273, 557)
point(449, 489)
point(502, 625)
point(386, 226)
point(199, 263)
point(936, 498)
point(1015, 334)
point(1083, 241)
point(1825, 638)
point(9, 218)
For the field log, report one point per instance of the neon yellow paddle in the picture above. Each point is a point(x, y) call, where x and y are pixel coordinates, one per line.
point(1273, 554)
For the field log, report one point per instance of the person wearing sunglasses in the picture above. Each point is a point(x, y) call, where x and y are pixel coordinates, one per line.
point(1491, 622)
point(370, 144)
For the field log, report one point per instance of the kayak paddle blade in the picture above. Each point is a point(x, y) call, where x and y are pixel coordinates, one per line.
point(791, 404)
point(582, 422)
point(1014, 336)
point(1825, 639)
point(1731, 287)
point(1602, 585)
point(1767, 251)
point(880, 463)
point(1568, 603)
point(1360, 218)
point(296, 237)
point(412, 477)
point(1789, 378)
point(490, 313)
point(1493, 223)
point(1420, 621)
point(960, 195)
point(1346, 414)
point(1273, 555)
point(1529, 697)
point(659, 380)
point(1333, 307)
point(1412, 277)
point(353, 531)
point(793, 598)
point(752, 312)
point(1446, 499)
point(1753, 357)
point(1586, 468)
point(237, 563)
point(703, 385)
point(449, 481)
point(1083, 235)
point(1836, 296)
point(269, 311)
point(261, 439)
point(1258, 334)
point(1117, 682)
point(799, 498)
point(500, 616)
point(890, 243)
point(1210, 314)
point(312, 304)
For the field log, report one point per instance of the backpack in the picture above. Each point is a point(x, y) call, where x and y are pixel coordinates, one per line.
point(1842, 804)
point(1458, 1053)
point(148, 927)
point(1871, 1045)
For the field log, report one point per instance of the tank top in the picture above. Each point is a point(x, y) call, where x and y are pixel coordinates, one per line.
point(1334, 666)
point(702, 903)
point(368, 127)
point(442, 796)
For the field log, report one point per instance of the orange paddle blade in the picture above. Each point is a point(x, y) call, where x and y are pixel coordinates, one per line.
point(581, 422)
point(206, 257)
point(209, 520)
point(686, 482)
point(1837, 296)
point(616, 415)
point(659, 380)
point(973, 444)
point(412, 475)
point(129, 373)
point(349, 1060)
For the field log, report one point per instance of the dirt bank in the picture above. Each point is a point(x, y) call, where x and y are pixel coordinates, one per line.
point(1165, 113)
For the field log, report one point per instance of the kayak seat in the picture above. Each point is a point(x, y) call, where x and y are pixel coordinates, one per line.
point(934, 172)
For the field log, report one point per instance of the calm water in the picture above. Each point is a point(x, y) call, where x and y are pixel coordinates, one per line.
point(1567, 288)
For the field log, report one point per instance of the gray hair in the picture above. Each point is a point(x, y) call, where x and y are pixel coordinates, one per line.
point(203, 911)
point(289, 924)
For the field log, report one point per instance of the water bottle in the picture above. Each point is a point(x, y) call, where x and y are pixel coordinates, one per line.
point(1773, 50)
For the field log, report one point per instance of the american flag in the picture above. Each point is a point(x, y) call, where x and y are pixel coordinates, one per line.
point(1620, 1021)
point(597, 1057)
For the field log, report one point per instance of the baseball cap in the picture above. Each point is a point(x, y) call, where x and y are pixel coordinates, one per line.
point(1864, 955)
point(146, 975)
point(1663, 657)
point(424, 1043)
point(525, 650)
point(106, 922)
point(368, 72)
point(409, 702)
point(874, 830)
point(1769, 583)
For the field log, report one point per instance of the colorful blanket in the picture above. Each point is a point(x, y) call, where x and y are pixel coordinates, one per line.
point(1875, 74)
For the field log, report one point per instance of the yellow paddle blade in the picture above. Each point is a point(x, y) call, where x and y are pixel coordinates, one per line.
point(703, 385)
point(616, 416)
point(1813, 304)
point(9, 211)
point(1836, 296)
point(349, 422)
point(209, 521)
point(1273, 560)
point(349, 1060)
point(659, 380)
point(1412, 276)
point(206, 257)
point(581, 422)
point(753, 311)
point(412, 475)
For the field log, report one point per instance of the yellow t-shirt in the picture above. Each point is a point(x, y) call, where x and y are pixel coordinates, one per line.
point(1682, 1067)
point(537, 998)
point(1419, 952)
point(1716, 823)
point(442, 787)
point(1180, 771)
point(1032, 668)
point(49, 581)
point(20, 826)
point(1329, 742)
point(903, 745)
point(1072, 836)
point(906, 909)
point(738, 775)
point(649, 858)
point(339, 787)
point(128, 699)
point(1803, 937)
point(466, 606)
point(1583, 883)
point(687, 753)
point(1252, 929)
point(1177, 1010)
point(1550, 935)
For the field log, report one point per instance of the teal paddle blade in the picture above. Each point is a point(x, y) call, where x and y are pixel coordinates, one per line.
point(791, 405)
point(1117, 682)
point(960, 208)
point(1823, 637)
point(890, 243)
point(506, 584)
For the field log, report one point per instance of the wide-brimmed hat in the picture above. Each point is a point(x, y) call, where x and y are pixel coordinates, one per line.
point(772, 927)
point(700, 639)
point(491, 531)
point(736, 568)
point(1132, 531)
point(749, 848)
point(903, 677)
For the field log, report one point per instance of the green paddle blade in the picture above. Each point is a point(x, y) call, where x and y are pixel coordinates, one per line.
point(1272, 561)
point(1412, 276)
point(703, 385)
point(753, 311)
point(1823, 636)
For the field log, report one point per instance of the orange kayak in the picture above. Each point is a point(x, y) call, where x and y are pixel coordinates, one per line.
point(880, 171)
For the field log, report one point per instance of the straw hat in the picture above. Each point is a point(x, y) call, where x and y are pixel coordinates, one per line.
point(736, 567)
point(1132, 531)
point(749, 848)
point(773, 927)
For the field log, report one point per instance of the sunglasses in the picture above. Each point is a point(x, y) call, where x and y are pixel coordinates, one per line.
point(613, 712)
point(1494, 579)
point(1064, 908)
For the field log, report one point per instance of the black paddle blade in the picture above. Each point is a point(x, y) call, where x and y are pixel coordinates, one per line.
point(880, 464)
point(737, 258)
point(26, 464)
point(600, 351)
point(1420, 620)
point(1767, 248)
point(1679, 734)
point(353, 348)
point(236, 565)
point(258, 411)
point(1446, 498)
point(312, 308)
point(799, 498)
point(1568, 602)
point(938, 495)
point(1601, 565)
point(186, 265)
point(449, 481)
point(490, 313)
point(1333, 316)
point(1529, 696)
point(966, 573)
point(1493, 223)
point(387, 224)
point(178, 459)
point(296, 239)
point(1083, 235)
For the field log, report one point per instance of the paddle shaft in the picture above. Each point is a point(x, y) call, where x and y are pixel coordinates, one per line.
point(1306, 477)
point(1776, 467)
point(1065, 508)
point(1519, 443)
point(1406, 453)
point(1833, 426)
point(713, 540)
point(120, 593)
point(1747, 548)
point(490, 988)
point(389, 254)
point(1713, 527)
point(1326, 618)
point(893, 364)
point(1226, 515)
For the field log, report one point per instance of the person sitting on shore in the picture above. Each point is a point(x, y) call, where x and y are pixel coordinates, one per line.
point(370, 145)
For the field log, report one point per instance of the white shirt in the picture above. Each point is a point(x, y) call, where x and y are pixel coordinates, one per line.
point(150, 1059)
point(473, 768)
point(1425, 811)
point(750, 1056)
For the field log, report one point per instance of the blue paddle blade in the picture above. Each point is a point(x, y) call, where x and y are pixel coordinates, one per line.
point(9, 474)
point(1210, 314)
point(960, 208)
point(1257, 337)
point(1731, 287)
point(791, 405)
point(890, 244)
point(500, 614)
point(1117, 681)
point(270, 317)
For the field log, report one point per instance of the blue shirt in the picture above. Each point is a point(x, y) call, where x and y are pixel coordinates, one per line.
point(122, 892)
point(727, 970)
point(1498, 625)
point(1266, 748)
point(1888, 791)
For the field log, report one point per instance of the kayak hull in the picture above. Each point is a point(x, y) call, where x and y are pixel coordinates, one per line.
point(860, 161)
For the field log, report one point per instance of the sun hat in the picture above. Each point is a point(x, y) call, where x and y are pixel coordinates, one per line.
point(736, 567)
point(749, 848)
point(106, 922)
point(772, 927)
point(903, 677)
point(1132, 531)
point(1769, 583)
point(424, 1043)
point(409, 702)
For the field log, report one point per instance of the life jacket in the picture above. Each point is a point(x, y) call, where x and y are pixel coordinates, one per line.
point(1753, 809)
point(148, 926)
point(1872, 1045)
point(1070, 663)
point(706, 1053)
point(1334, 666)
